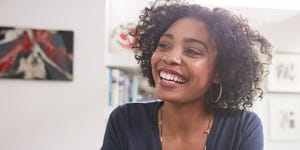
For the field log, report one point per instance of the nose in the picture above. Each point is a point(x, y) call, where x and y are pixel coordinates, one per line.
point(172, 58)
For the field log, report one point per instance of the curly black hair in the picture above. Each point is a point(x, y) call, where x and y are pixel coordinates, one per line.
point(243, 54)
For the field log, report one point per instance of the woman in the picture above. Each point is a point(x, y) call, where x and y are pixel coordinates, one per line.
point(206, 66)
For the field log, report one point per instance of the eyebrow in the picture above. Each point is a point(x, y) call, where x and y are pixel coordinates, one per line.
point(188, 40)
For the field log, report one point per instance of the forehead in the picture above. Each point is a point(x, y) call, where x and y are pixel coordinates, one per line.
point(189, 28)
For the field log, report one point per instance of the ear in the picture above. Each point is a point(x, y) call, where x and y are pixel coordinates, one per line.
point(217, 77)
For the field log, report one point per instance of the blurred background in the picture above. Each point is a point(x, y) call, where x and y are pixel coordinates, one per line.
point(60, 115)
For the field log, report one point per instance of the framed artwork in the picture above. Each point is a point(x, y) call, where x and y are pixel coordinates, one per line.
point(284, 120)
point(284, 73)
point(36, 54)
point(122, 38)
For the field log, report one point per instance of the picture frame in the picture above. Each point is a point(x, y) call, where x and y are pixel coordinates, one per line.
point(36, 54)
point(284, 73)
point(284, 120)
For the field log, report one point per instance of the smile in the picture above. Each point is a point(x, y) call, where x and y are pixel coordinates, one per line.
point(171, 77)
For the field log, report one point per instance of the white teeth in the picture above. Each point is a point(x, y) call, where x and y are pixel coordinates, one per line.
point(170, 77)
point(175, 79)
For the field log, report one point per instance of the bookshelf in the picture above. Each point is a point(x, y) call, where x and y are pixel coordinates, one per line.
point(125, 82)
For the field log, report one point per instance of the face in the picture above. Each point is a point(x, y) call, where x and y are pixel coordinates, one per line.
point(183, 64)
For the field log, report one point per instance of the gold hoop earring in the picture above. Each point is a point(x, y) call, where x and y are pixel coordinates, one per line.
point(220, 93)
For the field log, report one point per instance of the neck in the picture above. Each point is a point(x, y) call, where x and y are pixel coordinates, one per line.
point(185, 120)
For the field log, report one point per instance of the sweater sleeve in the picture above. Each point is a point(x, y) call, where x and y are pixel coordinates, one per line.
point(252, 138)
point(115, 131)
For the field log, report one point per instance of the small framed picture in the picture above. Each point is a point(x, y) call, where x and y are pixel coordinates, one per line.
point(284, 120)
point(36, 54)
point(284, 73)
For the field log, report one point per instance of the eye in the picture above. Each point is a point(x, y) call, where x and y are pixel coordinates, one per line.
point(163, 46)
point(192, 52)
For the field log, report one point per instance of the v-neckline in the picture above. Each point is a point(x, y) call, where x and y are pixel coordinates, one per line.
point(209, 138)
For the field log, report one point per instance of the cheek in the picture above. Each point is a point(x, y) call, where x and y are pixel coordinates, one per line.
point(154, 59)
point(206, 70)
point(203, 68)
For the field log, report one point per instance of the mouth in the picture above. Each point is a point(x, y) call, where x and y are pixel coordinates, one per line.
point(171, 77)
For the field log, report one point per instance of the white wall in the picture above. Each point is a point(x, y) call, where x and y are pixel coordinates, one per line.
point(47, 115)
point(263, 110)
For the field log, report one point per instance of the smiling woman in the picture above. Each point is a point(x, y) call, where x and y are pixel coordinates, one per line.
point(189, 55)
point(206, 67)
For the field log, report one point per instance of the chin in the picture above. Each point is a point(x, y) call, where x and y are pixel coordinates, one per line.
point(168, 97)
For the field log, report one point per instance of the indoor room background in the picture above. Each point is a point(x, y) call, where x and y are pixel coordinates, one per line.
point(72, 114)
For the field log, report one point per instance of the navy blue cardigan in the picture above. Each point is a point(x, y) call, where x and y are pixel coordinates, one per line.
point(134, 126)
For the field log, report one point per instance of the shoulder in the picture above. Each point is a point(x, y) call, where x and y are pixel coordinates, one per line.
point(132, 126)
point(139, 106)
point(135, 110)
point(239, 122)
point(238, 129)
point(235, 115)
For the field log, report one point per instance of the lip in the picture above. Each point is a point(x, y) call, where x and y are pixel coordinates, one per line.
point(166, 84)
point(171, 71)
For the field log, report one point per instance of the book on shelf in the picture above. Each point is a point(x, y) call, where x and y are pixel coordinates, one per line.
point(114, 86)
point(124, 87)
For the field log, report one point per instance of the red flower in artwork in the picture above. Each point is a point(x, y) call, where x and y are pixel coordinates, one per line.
point(11, 50)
